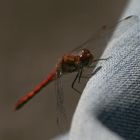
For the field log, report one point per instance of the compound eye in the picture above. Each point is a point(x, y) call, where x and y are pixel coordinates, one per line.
point(83, 51)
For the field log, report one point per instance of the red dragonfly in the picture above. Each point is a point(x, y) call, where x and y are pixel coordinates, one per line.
point(75, 61)
point(68, 64)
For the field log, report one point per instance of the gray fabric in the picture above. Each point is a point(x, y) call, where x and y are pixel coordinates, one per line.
point(109, 108)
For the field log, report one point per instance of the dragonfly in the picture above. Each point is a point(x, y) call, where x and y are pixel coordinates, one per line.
point(77, 60)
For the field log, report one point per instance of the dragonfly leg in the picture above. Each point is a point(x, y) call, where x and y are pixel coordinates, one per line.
point(91, 74)
point(93, 64)
point(78, 75)
point(101, 59)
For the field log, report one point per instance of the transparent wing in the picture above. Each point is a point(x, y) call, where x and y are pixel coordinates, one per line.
point(99, 39)
point(60, 110)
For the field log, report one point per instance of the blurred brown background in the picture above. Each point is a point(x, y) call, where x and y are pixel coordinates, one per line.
point(33, 36)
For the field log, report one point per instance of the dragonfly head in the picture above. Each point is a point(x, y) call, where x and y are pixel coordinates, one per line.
point(86, 57)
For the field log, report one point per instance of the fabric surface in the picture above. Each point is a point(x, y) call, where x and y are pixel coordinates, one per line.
point(109, 108)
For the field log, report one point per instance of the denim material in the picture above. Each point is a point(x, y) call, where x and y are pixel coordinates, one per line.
point(109, 108)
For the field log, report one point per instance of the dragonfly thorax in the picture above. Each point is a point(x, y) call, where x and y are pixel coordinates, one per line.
point(71, 63)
